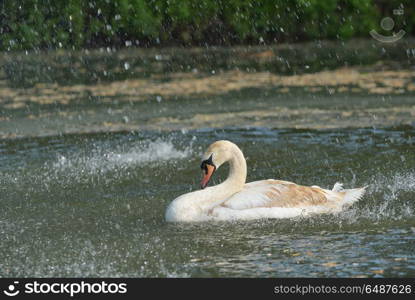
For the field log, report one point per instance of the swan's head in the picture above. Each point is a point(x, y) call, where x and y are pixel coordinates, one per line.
point(217, 154)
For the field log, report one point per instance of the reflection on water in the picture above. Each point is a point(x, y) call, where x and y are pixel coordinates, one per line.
point(93, 205)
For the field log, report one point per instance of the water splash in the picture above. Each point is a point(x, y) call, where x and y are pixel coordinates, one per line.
point(96, 164)
point(386, 199)
point(103, 159)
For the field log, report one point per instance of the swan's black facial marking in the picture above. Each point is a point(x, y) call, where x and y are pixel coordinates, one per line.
point(206, 162)
point(208, 168)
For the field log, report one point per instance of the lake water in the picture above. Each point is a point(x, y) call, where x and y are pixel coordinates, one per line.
point(93, 205)
point(84, 184)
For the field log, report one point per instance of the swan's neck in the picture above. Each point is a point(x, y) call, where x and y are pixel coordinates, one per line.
point(191, 206)
point(237, 173)
point(233, 184)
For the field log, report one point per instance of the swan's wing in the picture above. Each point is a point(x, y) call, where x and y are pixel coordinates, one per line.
point(278, 193)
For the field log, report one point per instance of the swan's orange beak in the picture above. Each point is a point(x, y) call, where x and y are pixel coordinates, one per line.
point(208, 170)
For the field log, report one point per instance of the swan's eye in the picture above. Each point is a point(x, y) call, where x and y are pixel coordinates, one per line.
point(203, 166)
point(206, 162)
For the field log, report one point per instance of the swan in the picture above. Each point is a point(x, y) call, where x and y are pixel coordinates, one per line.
point(234, 199)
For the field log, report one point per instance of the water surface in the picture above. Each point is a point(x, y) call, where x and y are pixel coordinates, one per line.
point(95, 144)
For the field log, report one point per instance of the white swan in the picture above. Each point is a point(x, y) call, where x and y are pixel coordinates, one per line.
point(234, 199)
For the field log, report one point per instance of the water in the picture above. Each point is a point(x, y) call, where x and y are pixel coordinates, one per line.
point(93, 205)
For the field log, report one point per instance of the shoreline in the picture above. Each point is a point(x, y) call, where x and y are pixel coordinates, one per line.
point(130, 118)
point(158, 89)
point(353, 80)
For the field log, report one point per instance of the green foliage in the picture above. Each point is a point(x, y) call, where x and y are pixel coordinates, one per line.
point(73, 24)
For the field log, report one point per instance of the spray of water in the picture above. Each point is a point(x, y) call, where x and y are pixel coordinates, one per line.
point(385, 199)
point(103, 159)
point(105, 162)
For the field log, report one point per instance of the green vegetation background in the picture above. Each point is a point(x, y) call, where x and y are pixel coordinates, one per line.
point(73, 24)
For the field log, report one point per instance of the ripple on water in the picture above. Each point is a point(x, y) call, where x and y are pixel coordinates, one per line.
point(95, 207)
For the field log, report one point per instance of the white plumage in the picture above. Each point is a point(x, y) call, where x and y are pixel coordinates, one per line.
point(236, 200)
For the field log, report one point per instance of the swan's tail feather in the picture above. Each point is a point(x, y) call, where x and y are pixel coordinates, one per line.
point(353, 195)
